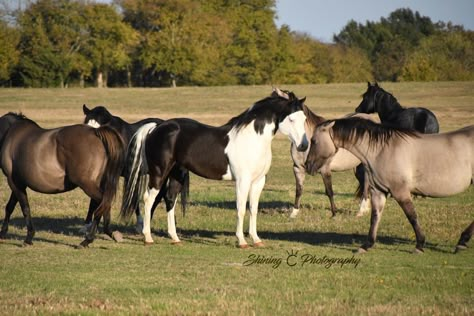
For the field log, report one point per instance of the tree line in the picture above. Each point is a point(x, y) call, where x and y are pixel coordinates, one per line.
point(149, 43)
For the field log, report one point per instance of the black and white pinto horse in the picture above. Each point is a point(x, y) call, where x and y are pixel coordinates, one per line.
point(240, 150)
point(377, 100)
point(100, 116)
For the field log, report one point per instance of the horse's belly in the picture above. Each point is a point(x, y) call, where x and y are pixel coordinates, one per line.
point(442, 185)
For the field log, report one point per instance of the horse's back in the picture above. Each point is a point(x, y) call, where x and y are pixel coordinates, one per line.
point(444, 163)
point(419, 119)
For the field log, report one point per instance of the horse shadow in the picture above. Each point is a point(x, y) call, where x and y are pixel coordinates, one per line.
point(70, 226)
point(264, 206)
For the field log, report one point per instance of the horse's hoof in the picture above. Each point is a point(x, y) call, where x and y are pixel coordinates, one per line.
point(259, 244)
point(84, 244)
point(244, 246)
point(460, 248)
point(361, 250)
point(294, 213)
point(27, 243)
point(359, 214)
point(148, 243)
point(117, 236)
point(417, 251)
point(176, 243)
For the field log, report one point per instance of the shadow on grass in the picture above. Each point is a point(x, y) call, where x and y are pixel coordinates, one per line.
point(70, 226)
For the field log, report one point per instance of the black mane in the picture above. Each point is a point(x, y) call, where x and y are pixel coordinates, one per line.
point(271, 109)
point(18, 116)
point(353, 129)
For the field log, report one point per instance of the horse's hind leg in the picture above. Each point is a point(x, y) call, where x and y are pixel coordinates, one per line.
point(465, 237)
point(170, 200)
point(8, 212)
point(255, 192)
point(88, 222)
point(90, 236)
point(378, 200)
point(300, 174)
point(22, 197)
point(407, 205)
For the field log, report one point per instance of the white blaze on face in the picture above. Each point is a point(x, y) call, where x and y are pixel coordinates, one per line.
point(93, 123)
point(293, 127)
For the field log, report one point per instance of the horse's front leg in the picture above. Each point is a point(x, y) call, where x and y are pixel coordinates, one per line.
point(255, 191)
point(300, 173)
point(327, 180)
point(8, 213)
point(242, 187)
point(378, 200)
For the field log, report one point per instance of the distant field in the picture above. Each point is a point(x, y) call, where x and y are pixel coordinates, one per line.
point(208, 274)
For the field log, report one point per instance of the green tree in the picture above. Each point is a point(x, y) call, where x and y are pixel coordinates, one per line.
point(52, 33)
point(110, 42)
point(388, 42)
point(349, 65)
point(9, 54)
point(445, 56)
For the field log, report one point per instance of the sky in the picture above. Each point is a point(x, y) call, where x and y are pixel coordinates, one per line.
point(323, 18)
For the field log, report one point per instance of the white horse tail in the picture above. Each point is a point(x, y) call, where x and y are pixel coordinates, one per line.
point(136, 171)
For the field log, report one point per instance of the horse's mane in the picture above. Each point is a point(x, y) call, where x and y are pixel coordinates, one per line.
point(263, 112)
point(18, 115)
point(391, 98)
point(354, 128)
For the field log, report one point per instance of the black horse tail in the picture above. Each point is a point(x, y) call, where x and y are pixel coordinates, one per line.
point(360, 175)
point(136, 177)
point(114, 148)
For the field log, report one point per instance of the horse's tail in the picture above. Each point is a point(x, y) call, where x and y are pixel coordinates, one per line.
point(360, 175)
point(136, 178)
point(114, 148)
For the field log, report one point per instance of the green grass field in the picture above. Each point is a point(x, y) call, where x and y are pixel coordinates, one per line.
point(208, 274)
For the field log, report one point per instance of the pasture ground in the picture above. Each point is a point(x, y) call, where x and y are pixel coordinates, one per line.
point(208, 274)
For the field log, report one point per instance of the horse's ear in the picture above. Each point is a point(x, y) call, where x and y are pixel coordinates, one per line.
point(330, 125)
point(280, 93)
point(369, 84)
point(376, 84)
point(85, 109)
point(302, 100)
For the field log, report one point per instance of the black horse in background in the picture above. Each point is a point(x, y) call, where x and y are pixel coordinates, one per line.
point(58, 160)
point(377, 100)
point(178, 180)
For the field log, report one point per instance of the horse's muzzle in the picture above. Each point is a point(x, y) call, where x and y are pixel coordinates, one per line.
point(304, 144)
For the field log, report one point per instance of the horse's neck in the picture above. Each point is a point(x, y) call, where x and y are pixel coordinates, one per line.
point(360, 148)
point(121, 126)
point(388, 107)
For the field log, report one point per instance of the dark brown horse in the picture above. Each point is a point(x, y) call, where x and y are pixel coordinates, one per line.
point(59, 160)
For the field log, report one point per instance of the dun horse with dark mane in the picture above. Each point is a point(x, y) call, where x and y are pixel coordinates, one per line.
point(400, 163)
